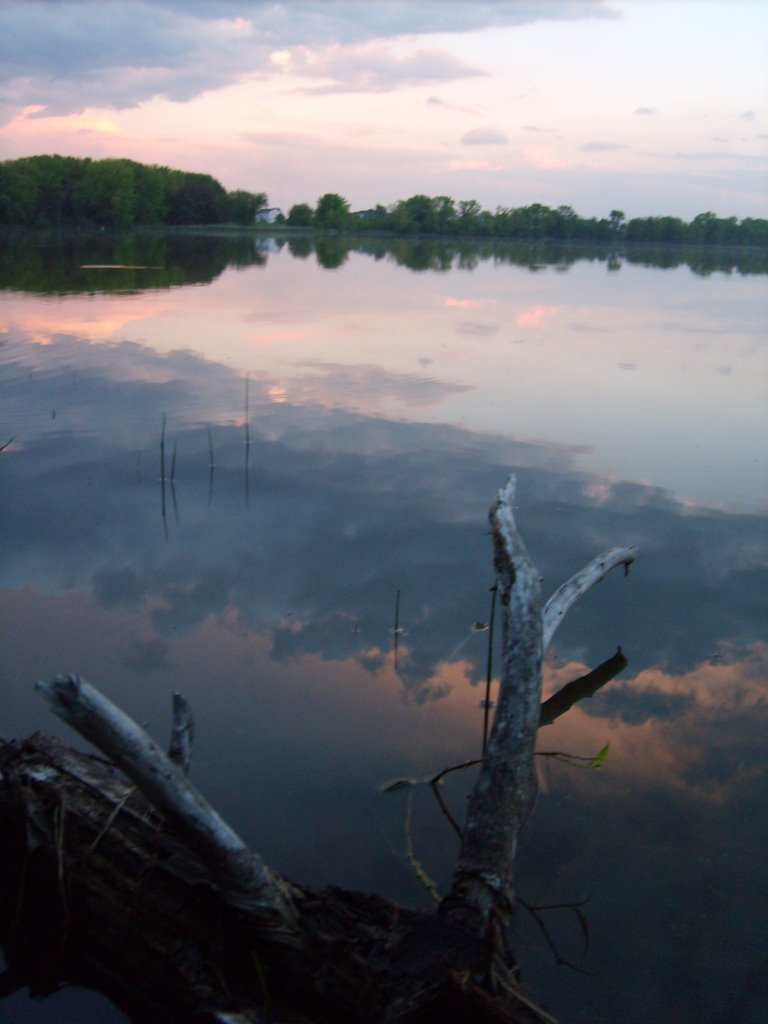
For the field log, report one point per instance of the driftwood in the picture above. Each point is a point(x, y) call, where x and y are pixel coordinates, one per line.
point(137, 887)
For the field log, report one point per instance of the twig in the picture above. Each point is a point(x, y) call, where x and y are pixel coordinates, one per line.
point(182, 733)
point(417, 866)
point(489, 668)
point(162, 477)
point(246, 467)
point(211, 465)
point(110, 820)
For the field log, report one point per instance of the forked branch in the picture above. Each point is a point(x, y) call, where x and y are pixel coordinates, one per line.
point(482, 887)
point(567, 595)
point(245, 881)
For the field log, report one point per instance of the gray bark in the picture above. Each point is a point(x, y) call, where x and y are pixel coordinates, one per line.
point(244, 878)
point(483, 883)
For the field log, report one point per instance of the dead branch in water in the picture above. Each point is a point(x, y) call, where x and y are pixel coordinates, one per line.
point(145, 892)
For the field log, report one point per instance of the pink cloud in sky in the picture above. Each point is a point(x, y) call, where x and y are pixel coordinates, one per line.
point(379, 101)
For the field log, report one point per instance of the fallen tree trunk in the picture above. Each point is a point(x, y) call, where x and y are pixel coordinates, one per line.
point(138, 887)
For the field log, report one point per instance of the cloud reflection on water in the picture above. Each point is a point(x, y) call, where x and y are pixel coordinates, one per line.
point(275, 620)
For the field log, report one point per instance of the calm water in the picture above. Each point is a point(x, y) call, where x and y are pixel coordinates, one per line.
point(336, 426)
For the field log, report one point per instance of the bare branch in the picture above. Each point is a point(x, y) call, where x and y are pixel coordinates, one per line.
point(579, 689)
point(243, 877)
point(566, 595)
point(499, 805)
point(483, 881)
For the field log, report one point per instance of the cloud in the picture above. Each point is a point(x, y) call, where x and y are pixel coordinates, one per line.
point(544, 156)
point(484, 137)
point(747, 159)
point(602, 147)
point(69, 54)
point(477, 329)
point(435, 101)
point(147, 656)
point(374, 68)
point(362, 385)
point(644, 110)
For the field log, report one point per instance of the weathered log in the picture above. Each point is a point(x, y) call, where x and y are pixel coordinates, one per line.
point(483, 883)
point(162, 906)
point(244, 878)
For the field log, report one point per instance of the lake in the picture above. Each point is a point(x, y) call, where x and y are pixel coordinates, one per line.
point(335, 422)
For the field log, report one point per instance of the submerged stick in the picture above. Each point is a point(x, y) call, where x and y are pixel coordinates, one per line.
point(173, 484)
point(489, 667)
point(246, 466)
point(162, 477)
point(396, 630)
point(243, 877)
point(182, 733)
point(211, 466)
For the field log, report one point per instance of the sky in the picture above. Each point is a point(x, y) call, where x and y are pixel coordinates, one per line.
point(649, 106)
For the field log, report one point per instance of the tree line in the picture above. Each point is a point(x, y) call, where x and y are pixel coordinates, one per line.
point(57, 191)
point(442, 216)
point(64, 191)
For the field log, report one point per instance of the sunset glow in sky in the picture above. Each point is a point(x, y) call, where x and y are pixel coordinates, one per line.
point(649, 106)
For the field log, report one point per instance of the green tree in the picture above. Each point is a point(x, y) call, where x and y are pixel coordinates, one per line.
point(616, 220)
point(19, 193)
point(300, 216)
point(199, 199)
point(446, 218)
point(415, 216)
point(243, 206)
point(469, 214)
point(151, 194)
point(332, 211)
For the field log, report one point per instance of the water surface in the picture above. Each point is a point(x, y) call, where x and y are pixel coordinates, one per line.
point(336, 426)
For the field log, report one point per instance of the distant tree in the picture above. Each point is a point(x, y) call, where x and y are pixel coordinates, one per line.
point(446, 217)
point(754, 231)
point(616, 221)
point(151, 194)
point(415, 216)
point(106, 194)
point(18, 193)
point(655, 230)
point(300, 216)
point(55, 191)
point(564, 222)
point(332, 211)
point(469, 213)
point(243, 206)
point(199, 199)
